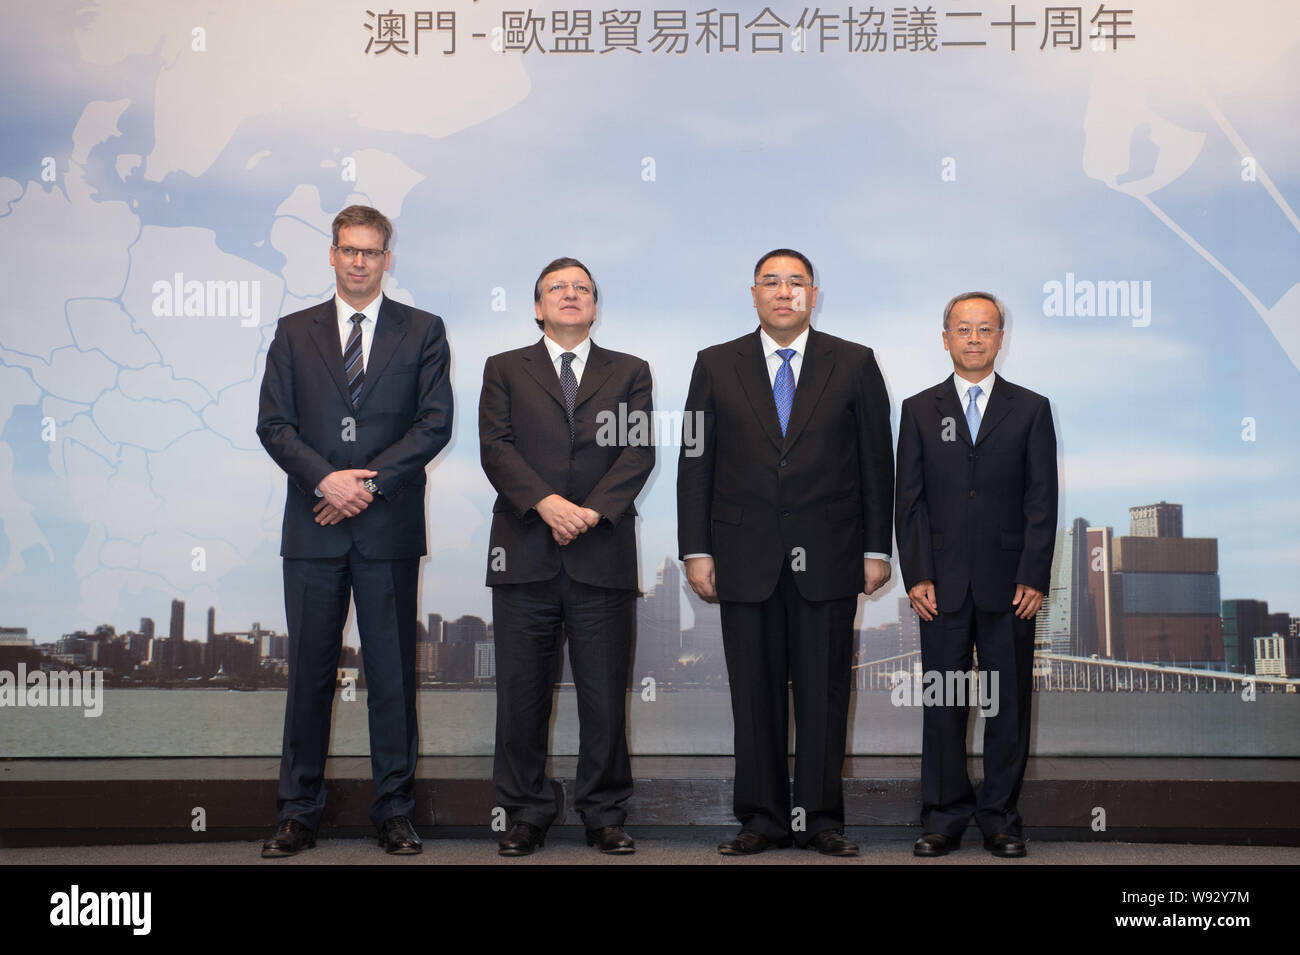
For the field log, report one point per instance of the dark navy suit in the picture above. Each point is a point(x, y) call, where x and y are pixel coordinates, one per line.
point(976, 518)
point(309, 426)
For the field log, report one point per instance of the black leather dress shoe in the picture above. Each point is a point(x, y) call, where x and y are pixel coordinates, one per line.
point(398, 837)
point(612, 840)
point(523, 839)
point(935, 844)
point(290, 838)
point(832, 842)
point(749, 843)
point(1006, 847)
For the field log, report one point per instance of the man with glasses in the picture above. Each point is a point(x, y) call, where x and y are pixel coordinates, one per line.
point(562, 560)
point(355, 402)
point(976, 518)
point(785, 519)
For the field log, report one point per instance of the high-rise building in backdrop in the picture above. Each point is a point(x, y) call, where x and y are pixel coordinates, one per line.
point(177, 631)
point(659, 625)
point(1243, 622)
point(1156, 520)
point(1151, 596)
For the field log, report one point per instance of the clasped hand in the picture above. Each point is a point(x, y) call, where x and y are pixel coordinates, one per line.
point(566, 519)
point(343, 495)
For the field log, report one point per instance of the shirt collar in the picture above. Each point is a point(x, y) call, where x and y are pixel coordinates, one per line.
point(986, 385)
point(770, 346)
point(346, 311)
point(582, 349)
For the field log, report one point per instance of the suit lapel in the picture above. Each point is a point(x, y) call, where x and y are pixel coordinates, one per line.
point(537, 362)
point(390, 330)
point(1001, 401)
point(945, 395)
point(325, 334)
point(751, 368)
point(814, 371)
point(599, 367)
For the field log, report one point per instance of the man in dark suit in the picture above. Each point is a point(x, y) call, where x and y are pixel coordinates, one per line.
point(784, 517)
point(562, 555)
point(355, 402)
point(976, 517)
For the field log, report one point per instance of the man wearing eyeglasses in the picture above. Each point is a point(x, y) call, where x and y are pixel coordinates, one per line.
point(976, 518)
point(355, 402)
point(785, 518)
point(562, 560)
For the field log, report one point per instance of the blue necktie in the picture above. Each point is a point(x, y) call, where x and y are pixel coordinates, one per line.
point(973, 412)
point(783, 388)
point(569, 384)
point(353, 366)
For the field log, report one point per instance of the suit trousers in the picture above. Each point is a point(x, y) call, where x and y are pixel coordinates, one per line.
point(316, 595)
point(530, 621)
point(1005, 645)
point(782, 642)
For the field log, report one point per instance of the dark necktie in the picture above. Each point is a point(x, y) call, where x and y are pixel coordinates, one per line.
point(569, 384)
point(783, 387)
point(353, 366)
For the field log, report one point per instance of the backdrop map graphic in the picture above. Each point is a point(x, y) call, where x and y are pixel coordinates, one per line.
point(1125, 178)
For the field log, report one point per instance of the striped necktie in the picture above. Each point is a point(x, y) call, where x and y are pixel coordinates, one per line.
point(353, 366)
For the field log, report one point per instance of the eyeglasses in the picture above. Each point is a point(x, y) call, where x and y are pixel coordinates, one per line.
point(966, 331)
point(558, 288)
point(771, 282)
point(348, 252)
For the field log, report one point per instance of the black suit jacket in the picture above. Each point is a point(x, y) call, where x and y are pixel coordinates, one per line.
point(526, 454)
point(752, 496)
point(981, 517)
point(308, 425)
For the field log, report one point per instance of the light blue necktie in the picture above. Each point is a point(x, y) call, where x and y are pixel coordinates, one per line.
point(783, 388)
point(973, 412)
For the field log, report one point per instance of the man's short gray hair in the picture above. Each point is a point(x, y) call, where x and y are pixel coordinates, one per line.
point(1002, 312)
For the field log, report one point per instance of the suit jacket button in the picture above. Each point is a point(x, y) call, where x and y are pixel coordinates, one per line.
point(783, 463)
point(785, 513)
point(972, 492)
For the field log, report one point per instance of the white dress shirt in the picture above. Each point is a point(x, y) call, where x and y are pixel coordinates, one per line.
point(371, 313)
point(800, 345)
point(582, 350)
point(963, 386)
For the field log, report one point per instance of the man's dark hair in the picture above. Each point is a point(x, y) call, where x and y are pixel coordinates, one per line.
point(788, 253)
point(1002, 314)
point(564, 262)
point(363, 216)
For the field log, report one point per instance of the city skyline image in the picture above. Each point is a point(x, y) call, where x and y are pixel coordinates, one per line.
point(1132, 203)
point(1151, 596)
